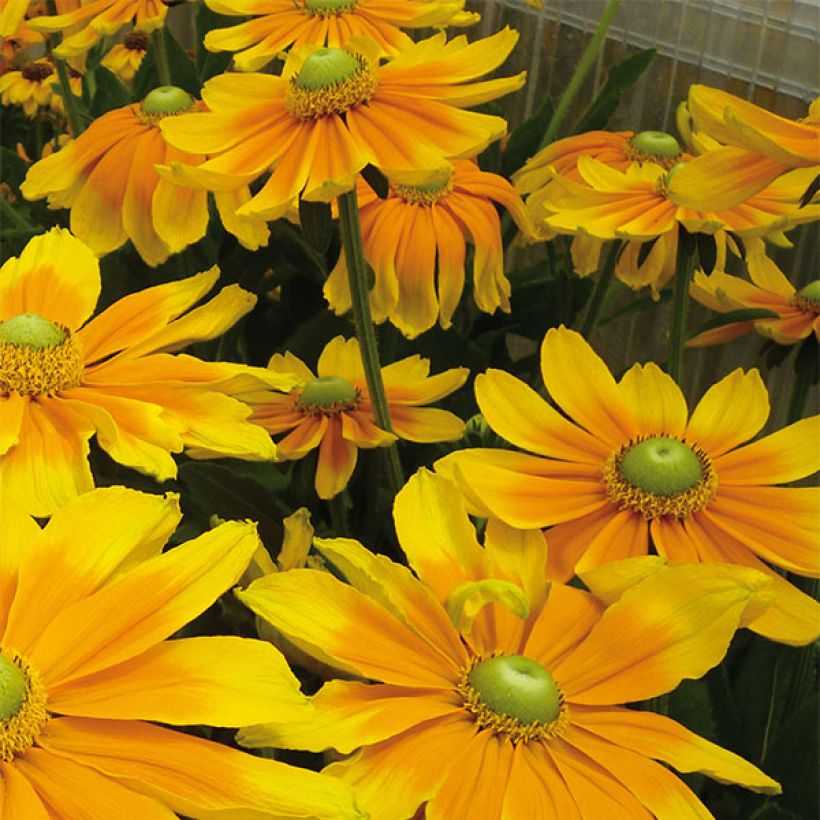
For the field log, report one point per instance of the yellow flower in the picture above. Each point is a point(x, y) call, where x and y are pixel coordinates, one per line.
point(30, 88)
point(628, 464)
point(282, 24)
point(760, 146)
point(64, 378)
point(107, 178)
point(126, 57)
point(96, 19)
point(332, 410)
point(798, 311)
point(86, 607)
point(334, 111)
point(415, 241)
point(482, 692)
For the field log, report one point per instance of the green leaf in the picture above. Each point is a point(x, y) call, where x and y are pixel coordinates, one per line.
point(146, 79)
point(526, 139)
point(110, 93)
point(210, 63)
point(183, 70)
point(13, 167)
point(620, 78)
point(741, 315)
point(317, 224)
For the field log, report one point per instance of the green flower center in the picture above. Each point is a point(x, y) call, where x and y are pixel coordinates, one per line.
point(328, 8)
point(810, 293)
point(167, 99)
point(326, 67)
point(517, 687)
point(661, 466)
point(656, 144)
point(31, 330)
point(327, 393)
point(12, 689)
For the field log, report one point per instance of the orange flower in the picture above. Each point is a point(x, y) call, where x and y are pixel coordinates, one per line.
point(334, 111)
point(64, 378)
point(760, 146)
point(415, 241)
point(126, 57)
point(478, 690)
point(100, 18)
point(107, 178)
point(281, 24)
point(332, 411)
point(627, 463)
point(798, 311)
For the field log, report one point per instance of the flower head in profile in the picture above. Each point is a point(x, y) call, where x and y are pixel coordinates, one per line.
point(30, 88)
point(282, 24)
point(87, 671)
point(333, 111)
point(93, 20)
point(478, 690)
point(627, 466)
point(758, 146)
point(797, 312)
point(416, 243)
point(331, 409)
point(107, 178)
point(125, 58)
point(65, 376)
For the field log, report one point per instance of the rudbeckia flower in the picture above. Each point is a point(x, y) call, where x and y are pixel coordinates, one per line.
point(126, 57)
point(86, 607)
point(107, 178)
point(30, 88)
point(798, 311)
point(628, 465)
point(334, 111)
point(331, 409)
point(100, 18)
point(415, 241)
point(759, 147)
point(280, 24)
point(480, 691)
point(64, 377)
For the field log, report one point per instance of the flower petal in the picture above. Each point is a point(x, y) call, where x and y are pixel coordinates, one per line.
point(656, 401)
point(18, 796)
point(535, 787)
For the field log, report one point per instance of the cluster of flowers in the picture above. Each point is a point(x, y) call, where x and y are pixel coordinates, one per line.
point(626, 538)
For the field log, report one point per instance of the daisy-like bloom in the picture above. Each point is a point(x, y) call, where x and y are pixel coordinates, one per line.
point(64, 378)
point(628, 465)
point(107, 178)
point(798, 311)
point(96, 19)
point(84, 667)
point(331, 409)
point(415, 241)
point(479, 690)
point(334, 111)
point(759, 147)
point(126, 57)
point(30, 88)
point(280, 24)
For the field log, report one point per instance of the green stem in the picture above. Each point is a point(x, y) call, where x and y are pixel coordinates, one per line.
point(365, 331)
point(581, 70)
point(605, 277)
point(680, 308)
point(161, 56)
point(338, 515)
point(75, 118)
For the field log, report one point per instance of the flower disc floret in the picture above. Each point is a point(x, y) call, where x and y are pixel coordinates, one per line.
point(808, 298)
point(328, 394)
point(424, 194)
point(167, 100)
point(330, 8)
point(38, 357)
point(513, 695)
point(23, 711)
point(659, 475)
point(36, 72)
point(330, 81)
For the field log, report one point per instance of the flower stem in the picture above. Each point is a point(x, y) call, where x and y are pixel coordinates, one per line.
point(581, 70)
point(365, 331)
point(161, 56)
point(75, 118)
point(605, 277)
point(680, 308)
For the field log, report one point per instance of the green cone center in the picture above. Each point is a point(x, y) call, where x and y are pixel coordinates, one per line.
point(326, 392)
point(326, 67)
point(656, 143)
point(518, 687)
point(12, 689)
point(167, 99)
point(661, 466)
point(31, 330)
point(811, 293)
